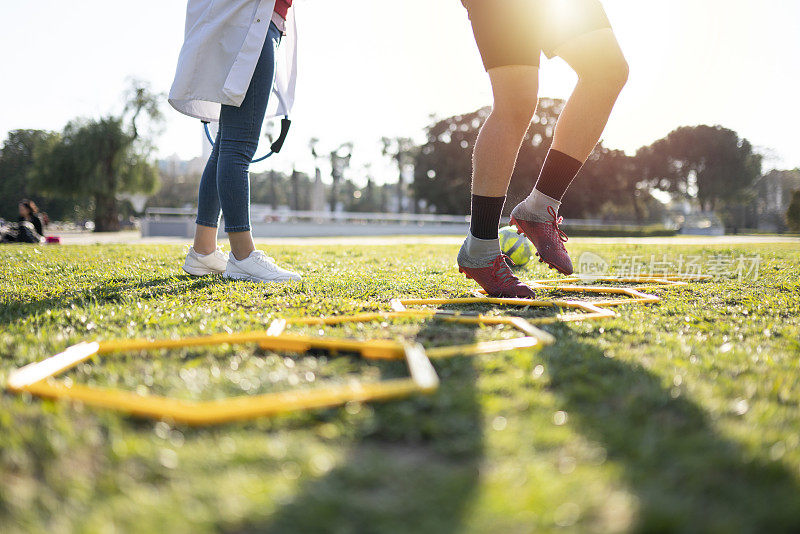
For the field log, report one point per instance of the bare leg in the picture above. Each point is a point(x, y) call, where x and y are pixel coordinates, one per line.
point(515, 95)
point(241, 244)
point(205, 239)
point(602, 73)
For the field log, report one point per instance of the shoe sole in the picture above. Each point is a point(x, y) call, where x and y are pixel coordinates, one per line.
point(541, 260)
point(250, 278)
point(197, 271)
point(462, 271)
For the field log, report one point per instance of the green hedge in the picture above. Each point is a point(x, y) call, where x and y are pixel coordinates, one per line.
point(618, 231)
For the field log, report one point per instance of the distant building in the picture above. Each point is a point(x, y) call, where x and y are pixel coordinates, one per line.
point(684, 215)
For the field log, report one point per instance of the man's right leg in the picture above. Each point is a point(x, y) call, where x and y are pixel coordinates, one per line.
point(602, 72)
point(515, 89)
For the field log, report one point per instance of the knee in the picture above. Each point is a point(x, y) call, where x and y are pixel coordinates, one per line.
point(237, 150)
point(516, 112)
point(618, 72)
point(609, 72)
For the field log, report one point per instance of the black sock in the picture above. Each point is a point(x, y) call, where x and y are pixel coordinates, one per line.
point(557, 173)
point(485, 216)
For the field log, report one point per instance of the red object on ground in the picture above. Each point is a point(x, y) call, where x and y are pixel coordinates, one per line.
point(497, 279)
point(282, 7)
point(53, 240)
point(549, 241)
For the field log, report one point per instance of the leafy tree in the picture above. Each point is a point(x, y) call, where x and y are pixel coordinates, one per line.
point(610, 184)
point(709, 163)
point(443, 165)
point(176, 188)
point(16, 158)
point(101, 159)
point(793, 213)
point(16, 161)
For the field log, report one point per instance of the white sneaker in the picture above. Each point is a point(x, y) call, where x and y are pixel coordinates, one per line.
point(200, 265)
point(258, 267)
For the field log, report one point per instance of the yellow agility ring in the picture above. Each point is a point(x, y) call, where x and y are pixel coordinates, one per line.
point(590, 310)
point(37, 378)
point(534, 337)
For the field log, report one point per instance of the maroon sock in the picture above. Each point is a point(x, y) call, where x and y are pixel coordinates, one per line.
point(485, 216)
point(557, 173)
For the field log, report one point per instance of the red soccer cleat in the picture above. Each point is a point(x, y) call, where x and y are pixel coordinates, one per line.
point(497, 279)
point(549, 241)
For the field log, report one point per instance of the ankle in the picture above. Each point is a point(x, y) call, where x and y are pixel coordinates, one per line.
point(241, 244)
point(203, 250)
point(485, 217)
point(205, 240)
point(240, 256)
point(477, 246)
point(476, 252)
point(535, 207)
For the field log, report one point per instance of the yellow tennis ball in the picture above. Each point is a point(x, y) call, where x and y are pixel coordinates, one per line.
point(515, 246)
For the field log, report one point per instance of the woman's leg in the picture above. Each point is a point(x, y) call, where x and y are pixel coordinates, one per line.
point(208, 210)
point(240, 128)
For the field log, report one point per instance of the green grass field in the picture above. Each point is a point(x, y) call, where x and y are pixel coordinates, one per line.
point(680, 416)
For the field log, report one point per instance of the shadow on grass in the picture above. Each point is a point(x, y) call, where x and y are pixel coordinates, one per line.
point(686, 476)
point(109, 291)
point(412, 467)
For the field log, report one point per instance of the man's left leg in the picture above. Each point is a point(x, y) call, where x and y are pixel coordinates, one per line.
point(602, 72)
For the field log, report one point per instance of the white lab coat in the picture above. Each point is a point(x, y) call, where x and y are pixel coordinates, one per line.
point(223, 41)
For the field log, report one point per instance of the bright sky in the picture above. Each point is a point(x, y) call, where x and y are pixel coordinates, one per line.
point(372, 68)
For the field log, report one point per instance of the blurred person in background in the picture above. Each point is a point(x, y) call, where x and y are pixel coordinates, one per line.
point(29, 212)
point(29, 227)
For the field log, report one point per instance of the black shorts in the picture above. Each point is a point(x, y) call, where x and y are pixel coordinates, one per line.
point(515, 32)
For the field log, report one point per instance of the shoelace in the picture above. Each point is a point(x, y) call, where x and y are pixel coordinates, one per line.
point(266, 261)
point(502, 271)
point(555, 222)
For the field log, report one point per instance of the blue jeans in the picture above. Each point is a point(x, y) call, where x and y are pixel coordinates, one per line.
point(225, 182)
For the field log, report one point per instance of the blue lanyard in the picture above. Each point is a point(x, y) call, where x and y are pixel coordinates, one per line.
point(276, 146)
